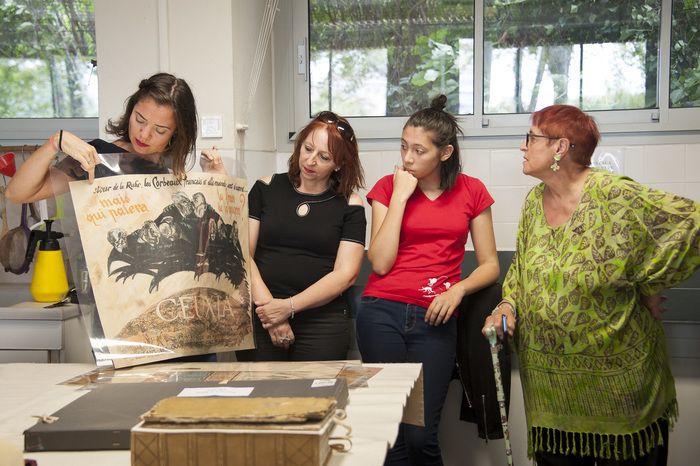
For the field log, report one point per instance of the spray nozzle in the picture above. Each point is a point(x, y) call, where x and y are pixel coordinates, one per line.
point(49, 240)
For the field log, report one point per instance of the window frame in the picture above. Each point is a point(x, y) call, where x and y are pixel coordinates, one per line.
point(32, 131)
point(661, 119)
point(35, 131)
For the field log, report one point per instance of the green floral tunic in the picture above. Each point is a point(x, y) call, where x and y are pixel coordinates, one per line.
point(592, 357)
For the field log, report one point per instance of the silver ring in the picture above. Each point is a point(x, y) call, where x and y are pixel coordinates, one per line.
point(284, 338)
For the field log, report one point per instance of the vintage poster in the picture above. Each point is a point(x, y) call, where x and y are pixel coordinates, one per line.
point(168, 263)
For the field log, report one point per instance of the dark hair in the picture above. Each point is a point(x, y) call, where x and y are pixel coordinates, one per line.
point(567, 121)
point(443, 128)
point(165, 89)
point(342, 148)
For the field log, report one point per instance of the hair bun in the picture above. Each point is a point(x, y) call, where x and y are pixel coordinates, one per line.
point(439, 102)
point(143, 83)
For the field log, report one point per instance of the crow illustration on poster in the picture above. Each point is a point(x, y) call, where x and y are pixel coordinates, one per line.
point(188, 235)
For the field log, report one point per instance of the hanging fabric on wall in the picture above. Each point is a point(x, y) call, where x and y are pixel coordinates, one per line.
point(264, 34)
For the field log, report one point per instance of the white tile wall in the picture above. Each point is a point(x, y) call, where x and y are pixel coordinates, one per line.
point(507, 169)
point(508, 201)
point(505, 234)
point(389, 160)
point(692, 163)
point(477, 163)
point(257, 164)
point(671, 167)
point(634, 163)
point(373, 167)
point(664, 163)
point(693, 191)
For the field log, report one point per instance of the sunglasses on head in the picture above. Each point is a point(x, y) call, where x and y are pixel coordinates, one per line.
point(343, 128)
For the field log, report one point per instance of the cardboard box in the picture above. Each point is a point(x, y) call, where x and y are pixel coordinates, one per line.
point(235, 431)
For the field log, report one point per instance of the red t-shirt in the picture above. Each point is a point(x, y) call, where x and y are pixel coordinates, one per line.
point(431, 246)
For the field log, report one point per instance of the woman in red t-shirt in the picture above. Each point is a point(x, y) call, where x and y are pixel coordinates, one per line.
point(421, 217)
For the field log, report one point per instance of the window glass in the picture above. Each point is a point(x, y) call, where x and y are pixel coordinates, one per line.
point(379, 58)
point(47, 59)
point(595, 55)
point(685, 54)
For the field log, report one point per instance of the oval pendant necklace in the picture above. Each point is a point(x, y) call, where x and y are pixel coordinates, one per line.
point(304, 207)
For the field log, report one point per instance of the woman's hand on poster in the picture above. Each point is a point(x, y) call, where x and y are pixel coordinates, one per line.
point(211, 161)
point(404, 184)
point(71, 145)
point(273, 312)
point(443, 306)
point(281, 335)
point(655, 305)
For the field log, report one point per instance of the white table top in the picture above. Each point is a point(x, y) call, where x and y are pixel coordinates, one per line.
point(374, 412)
point(38, 311)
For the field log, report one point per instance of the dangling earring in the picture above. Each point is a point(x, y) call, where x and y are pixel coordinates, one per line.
point(337, 169)
point(555, 166)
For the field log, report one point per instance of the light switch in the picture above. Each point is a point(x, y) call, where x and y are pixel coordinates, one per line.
point(212, 127)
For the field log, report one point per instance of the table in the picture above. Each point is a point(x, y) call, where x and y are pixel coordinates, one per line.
point(374, 412)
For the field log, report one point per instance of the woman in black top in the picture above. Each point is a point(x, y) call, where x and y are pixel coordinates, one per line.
point(307, 234)
point(160, 122)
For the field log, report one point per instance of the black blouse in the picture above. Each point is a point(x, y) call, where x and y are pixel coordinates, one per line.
point(300, 234)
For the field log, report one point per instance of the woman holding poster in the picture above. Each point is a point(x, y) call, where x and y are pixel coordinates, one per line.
point(159, 126)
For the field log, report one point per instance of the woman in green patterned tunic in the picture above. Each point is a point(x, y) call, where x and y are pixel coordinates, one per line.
point(595, 251)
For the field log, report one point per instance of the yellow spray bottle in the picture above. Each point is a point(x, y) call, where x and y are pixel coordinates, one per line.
point(49, 281)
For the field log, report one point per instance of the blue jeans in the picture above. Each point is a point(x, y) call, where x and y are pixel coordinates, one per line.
point(392, 331)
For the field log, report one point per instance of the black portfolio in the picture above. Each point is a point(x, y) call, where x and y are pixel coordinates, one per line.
point(103, 417)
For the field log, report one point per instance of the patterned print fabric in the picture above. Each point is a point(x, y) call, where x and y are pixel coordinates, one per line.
point(592, 358)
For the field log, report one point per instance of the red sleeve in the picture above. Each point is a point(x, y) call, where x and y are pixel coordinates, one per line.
point(479, 196)
point(381, 192)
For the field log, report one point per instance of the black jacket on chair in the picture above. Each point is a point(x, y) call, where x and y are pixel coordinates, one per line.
point(474, 365)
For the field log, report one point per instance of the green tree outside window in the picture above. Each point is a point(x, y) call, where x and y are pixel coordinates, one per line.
point(597, 54)
point(685, 54)
point(47, 59)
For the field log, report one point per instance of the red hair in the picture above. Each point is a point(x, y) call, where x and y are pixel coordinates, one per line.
point(345, 154)
point(567, 121)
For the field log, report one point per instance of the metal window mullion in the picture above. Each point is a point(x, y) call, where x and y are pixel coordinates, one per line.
point(580, 75)
point(664, 62)
point(624, 122)
point(16, 131)
point(478, 118)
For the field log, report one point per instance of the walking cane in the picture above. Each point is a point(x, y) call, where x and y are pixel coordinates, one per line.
point(500, 394)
